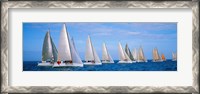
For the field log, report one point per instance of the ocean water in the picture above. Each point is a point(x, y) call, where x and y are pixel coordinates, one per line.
point(147, 66)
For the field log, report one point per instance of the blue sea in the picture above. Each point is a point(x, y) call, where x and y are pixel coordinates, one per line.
point(147, 66)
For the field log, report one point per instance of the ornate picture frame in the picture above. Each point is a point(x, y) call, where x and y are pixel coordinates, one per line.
point(6, 5)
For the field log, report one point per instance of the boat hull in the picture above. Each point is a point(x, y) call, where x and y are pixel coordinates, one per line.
point(141, 61)
point(125, 62)
point(134, 61)
point(67, 65)
point(107, 62)
point(45, 64)
point(158, 61)
point(91, 63)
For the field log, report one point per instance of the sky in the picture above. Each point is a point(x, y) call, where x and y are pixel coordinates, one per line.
point(148, 35)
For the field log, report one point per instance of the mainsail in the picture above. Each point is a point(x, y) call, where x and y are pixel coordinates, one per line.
point(49, 51)
point(156, 56)
point(63, 46)
point(122, 54)
point(134, 54)
point(91, 54)
point(67, 51)
point(128, 52)
point(141, 55)
point(105, 55)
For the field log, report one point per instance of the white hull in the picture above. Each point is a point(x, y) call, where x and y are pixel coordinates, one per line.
point(45, 64)
point(56, 65)
point(91, 63)
point(107, 62)
point(134, 61)
point(158, 61)
point(141, 61)
point(125, 62)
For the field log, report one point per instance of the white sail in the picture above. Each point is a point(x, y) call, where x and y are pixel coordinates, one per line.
point(64, 47)
point(75, 57)
point(126, 57)
point(89, 56)
point(96, 57)
point(54, 51)
point(128, 52)
point(72, 40)
point(121, 52)
point(105, 55)
point(141, 57)
point(174, 56)
point(134, 54)
point(110, 58)
point(47, 52)
point(156, 56)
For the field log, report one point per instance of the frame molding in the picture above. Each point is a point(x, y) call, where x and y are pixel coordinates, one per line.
point(5, 88)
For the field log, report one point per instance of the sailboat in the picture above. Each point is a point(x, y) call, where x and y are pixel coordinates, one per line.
point(174, 56)
point(128, 52)
point(156, 57)
point(134, 53)
point(163, 57)
point(122, 55)
point(49, 51)
point(140, 56)
point(106, 58)
point(91, 57)
point(67, 54)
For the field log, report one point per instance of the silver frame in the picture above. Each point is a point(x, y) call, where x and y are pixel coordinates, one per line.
point(5, 88)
